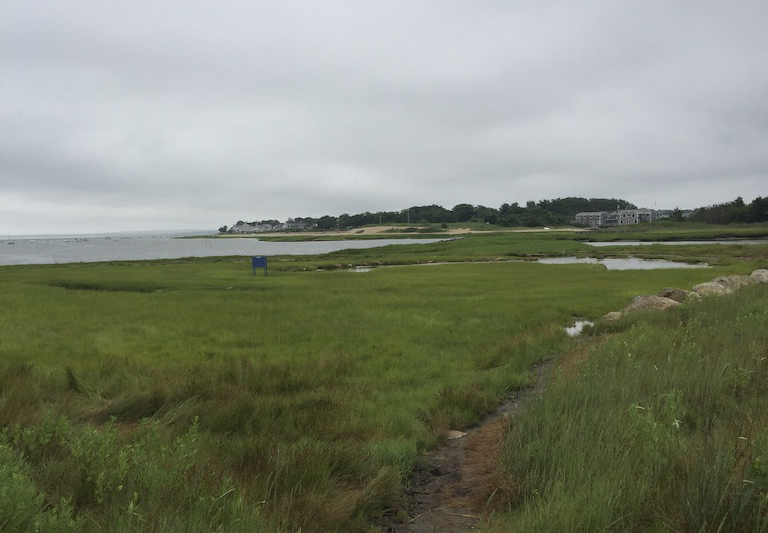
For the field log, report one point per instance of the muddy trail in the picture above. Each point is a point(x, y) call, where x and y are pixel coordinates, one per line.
point(452, 492)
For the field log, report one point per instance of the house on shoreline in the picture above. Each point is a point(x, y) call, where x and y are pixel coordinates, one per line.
point(620, 217)
point(270, 226)
point(250, 227)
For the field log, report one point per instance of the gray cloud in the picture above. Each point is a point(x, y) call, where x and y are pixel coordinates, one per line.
point(172, 114)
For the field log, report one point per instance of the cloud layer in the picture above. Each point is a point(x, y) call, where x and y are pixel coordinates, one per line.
point(170, 114)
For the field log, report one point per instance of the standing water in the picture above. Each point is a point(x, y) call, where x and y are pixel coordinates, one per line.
point(628, 263)
point(52, 250)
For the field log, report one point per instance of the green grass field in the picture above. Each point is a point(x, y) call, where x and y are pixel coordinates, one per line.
point(676, 231)
point(659, 426)
point(191, 396)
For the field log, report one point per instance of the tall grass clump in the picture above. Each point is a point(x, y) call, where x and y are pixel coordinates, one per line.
point(106, 481)
point(663, 427)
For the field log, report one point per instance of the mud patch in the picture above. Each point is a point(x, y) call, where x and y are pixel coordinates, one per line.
point(456, 489)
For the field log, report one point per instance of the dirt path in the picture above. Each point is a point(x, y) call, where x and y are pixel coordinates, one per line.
point(451, 494)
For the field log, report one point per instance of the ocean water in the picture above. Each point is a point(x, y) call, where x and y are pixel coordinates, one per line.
point(36, 249)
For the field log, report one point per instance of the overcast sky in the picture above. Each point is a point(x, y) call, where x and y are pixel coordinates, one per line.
point(171, 114)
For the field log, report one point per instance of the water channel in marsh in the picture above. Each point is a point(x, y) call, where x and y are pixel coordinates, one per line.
point(626, 263)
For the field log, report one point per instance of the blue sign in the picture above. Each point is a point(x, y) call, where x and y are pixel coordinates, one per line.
point(258, 261)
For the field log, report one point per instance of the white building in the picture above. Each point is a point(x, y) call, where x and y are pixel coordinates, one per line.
point(251, 228)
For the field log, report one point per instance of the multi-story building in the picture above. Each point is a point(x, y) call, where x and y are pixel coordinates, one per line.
point(605, 219)
point(593, 219)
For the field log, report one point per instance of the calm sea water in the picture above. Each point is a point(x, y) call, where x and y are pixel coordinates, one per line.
point(36, 250)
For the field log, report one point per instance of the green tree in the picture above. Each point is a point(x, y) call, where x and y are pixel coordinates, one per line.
point(345, 221)
point(463, 212)
point(327, 222)
point(488, 215)
point(758, 210)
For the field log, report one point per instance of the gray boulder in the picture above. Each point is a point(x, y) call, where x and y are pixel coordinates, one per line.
point(678, 295)
point(612, 316)
point(649, 303)
point(760, 276)
point(711, 288)
point(723, 285)
point(734, 283)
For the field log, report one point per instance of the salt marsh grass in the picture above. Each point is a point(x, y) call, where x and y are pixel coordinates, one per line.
point(191, 396)
point(662, 427)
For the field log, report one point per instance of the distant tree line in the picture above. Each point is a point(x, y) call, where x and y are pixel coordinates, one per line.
point(735, 211)
point(561, 211)
point(558, 212)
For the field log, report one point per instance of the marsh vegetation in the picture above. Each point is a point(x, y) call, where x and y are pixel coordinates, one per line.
point(659, 425)
point(188, 395)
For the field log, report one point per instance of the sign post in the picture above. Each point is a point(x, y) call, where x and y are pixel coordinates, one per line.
point(259, 261)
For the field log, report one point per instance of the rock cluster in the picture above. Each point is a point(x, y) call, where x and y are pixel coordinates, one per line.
point(671, 297)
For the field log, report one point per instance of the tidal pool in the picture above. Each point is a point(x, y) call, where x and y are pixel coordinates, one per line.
point(361, 268)
point(578, 327)
point(628, 263)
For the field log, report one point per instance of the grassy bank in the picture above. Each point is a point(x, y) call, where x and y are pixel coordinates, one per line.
point(676, 231)
point(660, 426)
point(191, 396)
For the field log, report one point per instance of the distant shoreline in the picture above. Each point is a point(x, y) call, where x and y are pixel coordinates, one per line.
point(392, 231)
point(113, 234)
